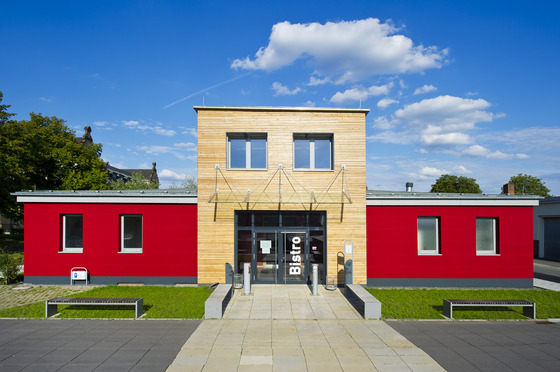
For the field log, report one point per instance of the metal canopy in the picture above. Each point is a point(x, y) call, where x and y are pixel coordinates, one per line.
point(281, 187)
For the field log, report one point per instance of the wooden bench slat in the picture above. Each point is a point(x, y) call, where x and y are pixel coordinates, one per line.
point(529, 308)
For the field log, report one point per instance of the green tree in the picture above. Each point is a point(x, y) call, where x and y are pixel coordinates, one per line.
point(136, 183)
point(451, 183)
point(527, 184)
point(188, 183)
point(41, 153)
point(4, 115)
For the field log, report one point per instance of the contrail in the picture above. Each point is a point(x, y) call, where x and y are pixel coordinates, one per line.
point(204, 90)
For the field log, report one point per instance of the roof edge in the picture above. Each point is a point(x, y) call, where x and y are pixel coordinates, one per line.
point(285, 109)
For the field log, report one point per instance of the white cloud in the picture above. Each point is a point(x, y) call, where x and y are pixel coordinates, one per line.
point(443, 120)
point(382, 123)
point(170, 176)
point(155, 150)
point(459, 169)
point(344, 51)
point(157, 129)
point(131, 123)
point(480, 151)
point(282, 90)
point(47, 99)
point(192, 131)
point(385, 102)
point(313, 81)
point(360, 93)
point(189, 146)
point(425, 89)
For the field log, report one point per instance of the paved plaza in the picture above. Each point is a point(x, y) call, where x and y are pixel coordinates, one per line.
point(285, 328)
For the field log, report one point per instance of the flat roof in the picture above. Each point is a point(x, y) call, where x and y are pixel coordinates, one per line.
point(148, 196)
point(285, 109)
point(378, 197)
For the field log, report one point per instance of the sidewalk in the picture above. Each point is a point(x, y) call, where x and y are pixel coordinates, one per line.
point(285, 328)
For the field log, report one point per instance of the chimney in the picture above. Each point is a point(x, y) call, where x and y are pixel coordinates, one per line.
point(508, 189)
point(409, 186)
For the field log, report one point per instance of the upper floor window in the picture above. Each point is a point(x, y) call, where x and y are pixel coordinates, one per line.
point(72, 233)
point(246, 151)
point(313, 151)
point(428, 235)
point(131, 233)
point(486, 242)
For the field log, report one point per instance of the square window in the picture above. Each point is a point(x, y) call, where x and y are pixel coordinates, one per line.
point(73, 233)
point(131, 233)
point(313, 151)
point(246, 151)
point(428, 235)
point(486, 242)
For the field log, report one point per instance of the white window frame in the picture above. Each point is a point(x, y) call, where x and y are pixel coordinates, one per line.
point(122, 235)
point(66, 249)
point(247, 137)
point(312, 137)
point(431, 252)
point(494, 251)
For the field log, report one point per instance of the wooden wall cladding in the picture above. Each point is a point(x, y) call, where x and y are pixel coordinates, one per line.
point(216, 220)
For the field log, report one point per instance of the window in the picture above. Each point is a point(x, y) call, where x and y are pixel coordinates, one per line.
point(428, 235)
point(131, 233)
point(246, 151)
point(313, 151)
point(486, 236)
point(72, 233)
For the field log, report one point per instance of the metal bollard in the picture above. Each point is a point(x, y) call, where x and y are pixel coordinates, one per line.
point(315, 278)
point(246, 278)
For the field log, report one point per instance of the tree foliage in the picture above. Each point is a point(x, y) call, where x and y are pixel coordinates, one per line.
point(4, 115)
point(136, 183)
point(189, 183)
point(41, 153)
point(451, 183)
point(527, 184)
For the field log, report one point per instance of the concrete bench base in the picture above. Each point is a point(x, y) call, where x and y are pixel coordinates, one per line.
point(216, 304)
point(529, 308)
point(51, 306)
point(367, 305)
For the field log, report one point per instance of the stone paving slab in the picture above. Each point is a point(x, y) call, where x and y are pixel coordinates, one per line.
point(87, 345)
point(486, 345)
point(309, 333)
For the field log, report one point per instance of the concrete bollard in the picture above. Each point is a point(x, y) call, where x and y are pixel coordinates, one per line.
point(315, 279)
point(246, 278)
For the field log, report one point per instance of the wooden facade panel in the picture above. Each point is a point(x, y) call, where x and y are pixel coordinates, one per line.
point(216, 243)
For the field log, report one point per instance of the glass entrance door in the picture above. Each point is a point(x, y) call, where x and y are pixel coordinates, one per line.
point(280, 257)
point(266, 257)
point(295, 257)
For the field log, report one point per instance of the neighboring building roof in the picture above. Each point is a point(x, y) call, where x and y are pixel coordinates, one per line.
point(555, 199)
point(374, 197)
point(264, 108)
point(150, 196)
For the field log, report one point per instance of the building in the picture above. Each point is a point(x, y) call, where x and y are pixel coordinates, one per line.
point(547, 229)
point(281, 189)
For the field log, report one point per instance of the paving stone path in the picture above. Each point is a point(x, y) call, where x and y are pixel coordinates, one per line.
point(23, 294)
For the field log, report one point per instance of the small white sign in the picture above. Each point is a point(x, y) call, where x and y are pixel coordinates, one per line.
point(79, 275)
point(265, 246)
point(348, 248)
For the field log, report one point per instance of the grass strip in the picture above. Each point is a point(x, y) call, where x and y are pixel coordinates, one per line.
point(159, 302)
point(420, 303)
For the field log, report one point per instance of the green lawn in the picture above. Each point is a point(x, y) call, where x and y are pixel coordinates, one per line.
point(159, 302)
point(428, 303)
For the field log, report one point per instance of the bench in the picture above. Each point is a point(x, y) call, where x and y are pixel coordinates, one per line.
point(529, 308)
point(216, 304)
point(367, 305)
point(51, 306)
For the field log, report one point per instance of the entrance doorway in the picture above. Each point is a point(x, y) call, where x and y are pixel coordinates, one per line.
point(281, 254)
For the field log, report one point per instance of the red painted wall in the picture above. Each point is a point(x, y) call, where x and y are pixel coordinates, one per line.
point(392, 243)
point(169, 240)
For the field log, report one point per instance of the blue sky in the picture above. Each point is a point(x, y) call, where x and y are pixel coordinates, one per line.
point(465, 88)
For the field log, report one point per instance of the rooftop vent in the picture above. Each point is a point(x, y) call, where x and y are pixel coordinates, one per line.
point(409, 186)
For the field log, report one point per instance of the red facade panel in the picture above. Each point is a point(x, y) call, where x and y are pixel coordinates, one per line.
point(169, 246)
point(392, 243)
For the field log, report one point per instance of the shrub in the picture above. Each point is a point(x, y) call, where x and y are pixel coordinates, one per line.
point(9, 267)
